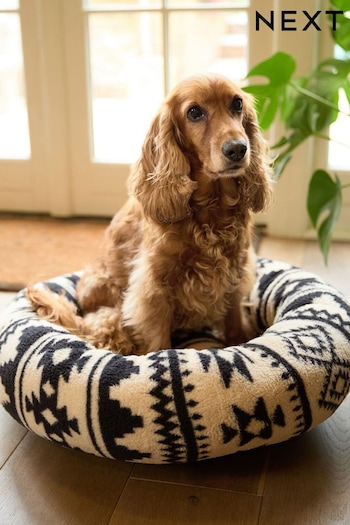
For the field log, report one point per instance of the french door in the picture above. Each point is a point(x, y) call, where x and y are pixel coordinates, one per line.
point(122, 59)
point(81, 79)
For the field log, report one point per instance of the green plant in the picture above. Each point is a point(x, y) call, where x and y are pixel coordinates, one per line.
point(307, 105)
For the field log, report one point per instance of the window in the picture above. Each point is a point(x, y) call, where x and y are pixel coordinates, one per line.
point(339, 152)
point(14, 130)
point(88, 76)
point(122, 58)
point(138, 50)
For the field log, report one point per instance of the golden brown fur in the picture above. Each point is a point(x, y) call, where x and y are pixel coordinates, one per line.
point(178, 254)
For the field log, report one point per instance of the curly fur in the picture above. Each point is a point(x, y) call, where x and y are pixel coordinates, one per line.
point(178, 255)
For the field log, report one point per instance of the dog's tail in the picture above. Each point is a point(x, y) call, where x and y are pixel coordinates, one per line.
point(55, 308)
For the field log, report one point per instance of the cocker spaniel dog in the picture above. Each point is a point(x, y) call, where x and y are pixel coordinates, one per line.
point(178, 255)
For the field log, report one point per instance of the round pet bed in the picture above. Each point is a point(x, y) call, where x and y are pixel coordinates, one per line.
point(183, 405)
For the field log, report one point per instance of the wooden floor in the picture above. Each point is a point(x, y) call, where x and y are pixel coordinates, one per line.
point(302, 482)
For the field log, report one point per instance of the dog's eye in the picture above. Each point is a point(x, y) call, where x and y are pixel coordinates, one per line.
point(237, 105)
point(195, 113)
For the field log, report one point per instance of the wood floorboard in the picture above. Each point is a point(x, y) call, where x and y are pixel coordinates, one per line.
point(308, 480)
point(43, 483)
point(240, 472)
point(158, 503)
point(305, 481)
point(11, 434)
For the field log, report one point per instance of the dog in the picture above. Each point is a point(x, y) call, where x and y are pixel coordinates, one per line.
point(179, 254)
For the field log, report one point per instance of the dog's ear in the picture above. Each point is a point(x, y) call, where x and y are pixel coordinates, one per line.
point(160, 179)
point(256, 185)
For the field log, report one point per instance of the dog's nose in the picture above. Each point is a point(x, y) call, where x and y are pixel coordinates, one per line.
point(234, 149)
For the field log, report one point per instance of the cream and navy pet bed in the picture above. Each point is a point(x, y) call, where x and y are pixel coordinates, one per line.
point(183, 405)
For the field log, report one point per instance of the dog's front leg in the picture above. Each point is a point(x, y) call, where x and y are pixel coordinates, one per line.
point(149, 320)
point(238, 323)
point(146, 311)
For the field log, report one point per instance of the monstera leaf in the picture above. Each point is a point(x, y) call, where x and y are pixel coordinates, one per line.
point(342, 33)
point(275, 94)
point(306, 105)
point(324, 205)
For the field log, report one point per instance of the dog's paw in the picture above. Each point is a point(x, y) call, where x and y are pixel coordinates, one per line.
point(104, 330)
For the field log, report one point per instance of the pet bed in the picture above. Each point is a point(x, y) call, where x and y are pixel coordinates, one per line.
point(183, 405)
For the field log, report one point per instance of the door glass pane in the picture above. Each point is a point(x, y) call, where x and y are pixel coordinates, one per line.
point(9, 4)
point(208, 41)
point(120, 4)
point(126, 75)
point(14, 131)
point(207, 3)
point(339, 149)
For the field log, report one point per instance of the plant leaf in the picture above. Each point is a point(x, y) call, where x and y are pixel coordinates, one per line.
point(314, 108)
point(290, 143)
point(324, 203)
point(278, 68)
point(274, 95)
point(343, 5)
point(332, 75)
point(342, 33)
point(280, 163)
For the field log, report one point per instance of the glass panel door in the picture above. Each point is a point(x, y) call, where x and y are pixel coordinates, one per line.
point(14, 132)
point(139, 49)
point(339, 149)
point(122, 58)
point(22, 143)
point(208, 40)
point(126, 80)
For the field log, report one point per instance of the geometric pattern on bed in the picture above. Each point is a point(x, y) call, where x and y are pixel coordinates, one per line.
point(182, 405)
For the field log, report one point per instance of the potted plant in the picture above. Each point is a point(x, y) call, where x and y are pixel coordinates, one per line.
point(306, 106)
